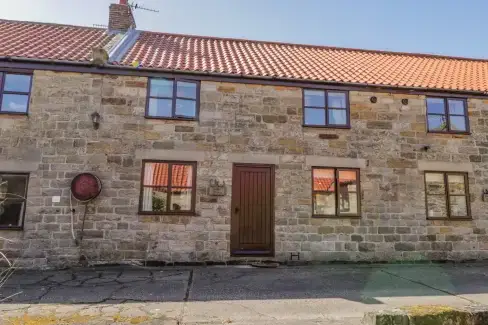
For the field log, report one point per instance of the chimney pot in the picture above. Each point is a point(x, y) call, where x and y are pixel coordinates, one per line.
point(123, 2)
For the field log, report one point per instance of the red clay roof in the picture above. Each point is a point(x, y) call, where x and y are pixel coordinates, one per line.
point(305, 62)
point(49, 41)
point(251, 58)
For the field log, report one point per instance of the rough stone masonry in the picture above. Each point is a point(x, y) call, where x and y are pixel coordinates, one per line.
point(237, 123)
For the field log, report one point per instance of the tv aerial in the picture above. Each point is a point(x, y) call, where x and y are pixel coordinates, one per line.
point(136, 6)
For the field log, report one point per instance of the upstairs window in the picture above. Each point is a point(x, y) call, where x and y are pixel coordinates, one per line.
point(168, 187)
point(13, 194)
point(323, 108)
point(447, 115)
point(446, 195)
point(14, 93)
point(172, 99)
point(335, 192)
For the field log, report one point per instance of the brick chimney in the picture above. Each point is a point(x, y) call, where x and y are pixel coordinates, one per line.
point(120, 16)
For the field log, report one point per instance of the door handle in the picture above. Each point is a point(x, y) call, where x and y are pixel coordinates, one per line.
point(236, 210)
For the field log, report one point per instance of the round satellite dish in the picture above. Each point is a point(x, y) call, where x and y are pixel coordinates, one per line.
point(85, 187)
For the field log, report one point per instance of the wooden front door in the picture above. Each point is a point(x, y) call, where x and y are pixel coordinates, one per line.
point(252, 220)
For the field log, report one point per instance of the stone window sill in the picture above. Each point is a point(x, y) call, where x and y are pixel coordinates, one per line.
point(14, 114)
point(2, 228)
point(451, 219)
point(194, 119)
point(449, 133)
point(347, 127)
point(335, 217)
point(185, 214)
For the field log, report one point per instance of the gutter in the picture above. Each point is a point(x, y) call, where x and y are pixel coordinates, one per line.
point(235, 76)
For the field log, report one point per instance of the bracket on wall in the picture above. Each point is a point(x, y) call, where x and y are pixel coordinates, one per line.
point(485, 195)
point(295, 255)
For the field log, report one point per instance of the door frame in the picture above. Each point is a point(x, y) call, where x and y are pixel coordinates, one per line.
point(234, 230)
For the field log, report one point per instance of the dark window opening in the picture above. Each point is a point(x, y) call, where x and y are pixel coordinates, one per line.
point(13, 196)
point(14, 93)
point(325, 108)
point(446, 195)
point(168, 187)
point(335, 192)
point(172, 99)
point(447, 115)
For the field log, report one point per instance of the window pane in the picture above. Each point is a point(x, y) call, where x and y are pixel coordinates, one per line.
point(160, 107)
point(17, 82)
point(186, 108)
point(161, 88)
point(314, 98)
point(156, 174)
point(458, 206)
point(182, 175)
point(324, 203)
point(11, 213)
point(456, 184)
point(13, 186)
point(436, 206)
point(323, 179)
point(154, 199)
point(181, 199)
point(337, 116)
point(348, 202)
point(435, 106)
point(456, 107)
point(15, 103)
point(336, 100)
point(437, 123)
point(458, 123)
point(314, 116)
point(348, 180)
point(434, 183)
point(186, 89)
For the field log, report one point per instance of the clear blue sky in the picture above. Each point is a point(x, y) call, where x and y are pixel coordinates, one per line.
point(449, 27)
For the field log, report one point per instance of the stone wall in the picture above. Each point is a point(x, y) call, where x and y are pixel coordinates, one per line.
point(237, 123)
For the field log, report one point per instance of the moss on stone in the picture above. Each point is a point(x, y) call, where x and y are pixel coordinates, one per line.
point(436, 315)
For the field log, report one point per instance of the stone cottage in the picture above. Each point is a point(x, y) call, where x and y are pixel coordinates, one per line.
point(214, 150)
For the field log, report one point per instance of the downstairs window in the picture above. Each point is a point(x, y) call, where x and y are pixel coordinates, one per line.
point(168, 187)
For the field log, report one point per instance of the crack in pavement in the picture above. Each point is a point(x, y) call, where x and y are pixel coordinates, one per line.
point(253, 310)
point(44, 294)
point(179, 318)
point(432, 287)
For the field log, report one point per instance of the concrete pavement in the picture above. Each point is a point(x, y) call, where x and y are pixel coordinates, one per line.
point(322, 294)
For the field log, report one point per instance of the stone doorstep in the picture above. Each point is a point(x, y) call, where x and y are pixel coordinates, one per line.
point(429, 315)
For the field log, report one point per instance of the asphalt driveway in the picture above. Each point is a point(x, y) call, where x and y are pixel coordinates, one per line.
point(323, 294)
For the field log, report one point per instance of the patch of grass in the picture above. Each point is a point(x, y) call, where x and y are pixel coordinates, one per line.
point(52, 319)
point(420, 310)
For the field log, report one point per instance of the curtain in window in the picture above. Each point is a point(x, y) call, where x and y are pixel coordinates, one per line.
point(147, 198)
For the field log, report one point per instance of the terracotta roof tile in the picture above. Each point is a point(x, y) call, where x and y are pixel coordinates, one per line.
point(250, 58)
point(49, 41)
point(305, 62)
